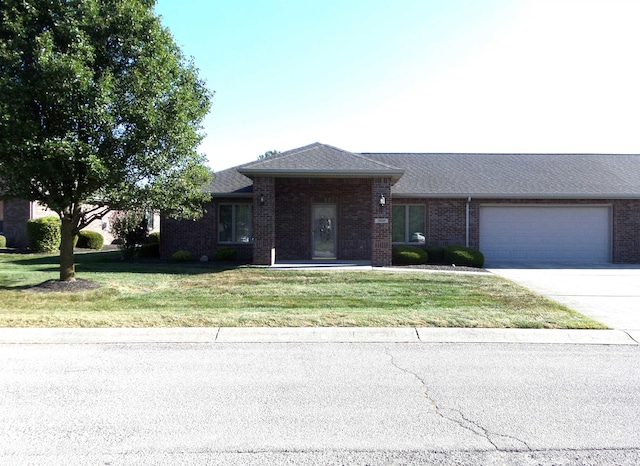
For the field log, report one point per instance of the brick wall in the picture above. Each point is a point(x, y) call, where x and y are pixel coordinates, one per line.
point(199, 237)
point(626, 231)
point(264, 220)
point(446, 221)
point(381, 251)
point(359, 237)
point(15, 216)
point(294, 198)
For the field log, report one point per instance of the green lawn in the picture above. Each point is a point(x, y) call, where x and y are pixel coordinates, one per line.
point(190, 295)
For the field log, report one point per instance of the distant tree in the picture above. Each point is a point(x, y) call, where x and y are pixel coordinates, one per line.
point(99, 111)
point(268, 154)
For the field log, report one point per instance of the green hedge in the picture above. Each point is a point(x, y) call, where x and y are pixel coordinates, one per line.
point(182, 256)
point(43, 234)
point(225, 254)
point(3, 242)
point(153, 238)
point(151, 248)
point(409, 255)
point(90, 240)
point(436, 254)
point(461, 255)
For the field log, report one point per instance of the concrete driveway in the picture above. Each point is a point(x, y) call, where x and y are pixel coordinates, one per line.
point(609, 293)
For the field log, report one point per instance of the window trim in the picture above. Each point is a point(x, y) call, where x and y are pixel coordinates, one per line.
point(234, 225)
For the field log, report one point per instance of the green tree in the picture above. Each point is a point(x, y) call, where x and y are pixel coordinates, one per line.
point(99, 111)
point(268, 154)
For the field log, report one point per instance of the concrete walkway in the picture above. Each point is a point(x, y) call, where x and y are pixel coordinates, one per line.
point(313, 335)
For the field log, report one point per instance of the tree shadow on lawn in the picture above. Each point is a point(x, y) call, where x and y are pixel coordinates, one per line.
point(111, 262)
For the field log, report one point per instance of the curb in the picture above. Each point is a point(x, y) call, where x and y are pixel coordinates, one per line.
point(314, 335)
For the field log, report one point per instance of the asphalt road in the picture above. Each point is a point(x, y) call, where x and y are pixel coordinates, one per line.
point(319, 403)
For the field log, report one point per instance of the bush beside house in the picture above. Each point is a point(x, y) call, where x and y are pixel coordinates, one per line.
point(450, 255)
point(182, 256)
point(464, 256)
point(3, 242)
point(409, 255)
point(90, 240)
point(225, 254)
point(43, 234)
point(150, 249)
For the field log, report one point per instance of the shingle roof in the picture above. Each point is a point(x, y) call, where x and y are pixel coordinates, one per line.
point(516, 175)
point(454, 175)
point(320, 160)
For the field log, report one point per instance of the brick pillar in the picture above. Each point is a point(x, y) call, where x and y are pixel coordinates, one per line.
point(264, 220)
point(381, 223)
point(16, 214)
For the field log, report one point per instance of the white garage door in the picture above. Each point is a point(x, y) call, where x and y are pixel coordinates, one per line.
point(545, 234)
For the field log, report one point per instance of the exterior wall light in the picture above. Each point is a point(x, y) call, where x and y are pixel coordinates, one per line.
point(383, 201)
point(261, 199)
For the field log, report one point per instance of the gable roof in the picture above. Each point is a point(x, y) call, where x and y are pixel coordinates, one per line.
point(567, 176)
point(320, 160)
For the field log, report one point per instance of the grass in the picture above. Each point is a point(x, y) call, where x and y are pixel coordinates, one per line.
point(196, 295)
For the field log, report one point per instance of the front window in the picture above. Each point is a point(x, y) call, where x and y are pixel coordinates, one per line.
point(234, 223)
point(408, 223)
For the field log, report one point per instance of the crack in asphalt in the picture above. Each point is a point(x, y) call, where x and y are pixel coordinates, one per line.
point(456, 416)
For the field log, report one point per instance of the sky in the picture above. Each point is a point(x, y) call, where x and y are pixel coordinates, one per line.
point(521, 76)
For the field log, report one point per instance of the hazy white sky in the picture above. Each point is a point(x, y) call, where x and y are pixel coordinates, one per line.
point(414, 75)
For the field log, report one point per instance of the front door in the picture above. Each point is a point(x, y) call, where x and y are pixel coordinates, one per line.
point(324, 231)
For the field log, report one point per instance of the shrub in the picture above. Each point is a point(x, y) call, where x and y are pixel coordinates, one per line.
point(409, 255)
point(154, 238)
point(131, 229)
point(461, 255)
point(225, 254)
point(90, 240)
point(435, 253)
point(181, 256)
point(3, 242)
point(43, 234)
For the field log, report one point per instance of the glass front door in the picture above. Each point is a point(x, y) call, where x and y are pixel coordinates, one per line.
point(324, 231)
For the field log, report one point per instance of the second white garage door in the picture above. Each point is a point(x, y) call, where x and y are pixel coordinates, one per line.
point(563, 234)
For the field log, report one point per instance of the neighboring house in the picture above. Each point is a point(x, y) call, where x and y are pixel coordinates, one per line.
point(14, 214)
point(319, 202)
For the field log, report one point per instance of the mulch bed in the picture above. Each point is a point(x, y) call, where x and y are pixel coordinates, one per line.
point(79, 284)
point(443, 268)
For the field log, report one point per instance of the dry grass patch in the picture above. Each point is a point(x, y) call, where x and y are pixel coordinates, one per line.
point(189, 295)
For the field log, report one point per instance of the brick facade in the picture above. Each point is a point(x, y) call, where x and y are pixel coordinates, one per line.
point(264, 220)
point(199, 237)
point(360, 236)
point(381, 251)
point(16, 212)
point(295, 198)
point(626, 231)
point(446, 221)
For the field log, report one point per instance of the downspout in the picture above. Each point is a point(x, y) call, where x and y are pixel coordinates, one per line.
point(467, 223)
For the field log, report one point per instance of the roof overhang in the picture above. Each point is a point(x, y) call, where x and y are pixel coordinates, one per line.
point(394, 174)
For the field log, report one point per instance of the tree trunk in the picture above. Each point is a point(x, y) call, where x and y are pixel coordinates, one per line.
point(67, 262)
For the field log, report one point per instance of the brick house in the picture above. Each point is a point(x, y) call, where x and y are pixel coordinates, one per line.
point(319, 202)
